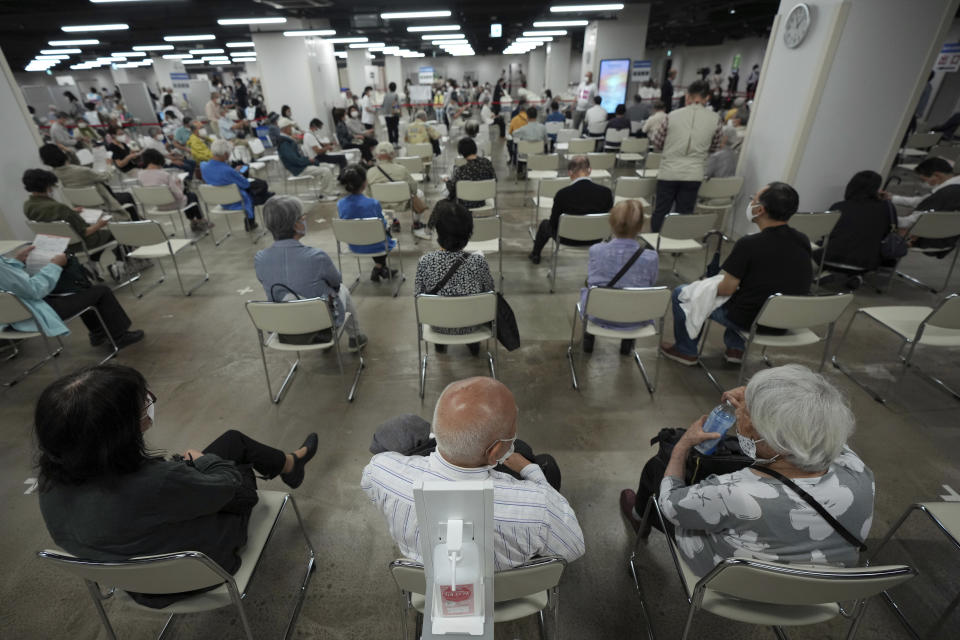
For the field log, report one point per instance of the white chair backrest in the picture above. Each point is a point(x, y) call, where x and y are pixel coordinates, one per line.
point(802, 312)
point(535, 577)
point(815, 225)
point(475, 190)
point(543, 162)
point(485, 228)
point(600, 161)
point(592, 226)
point(413, 164)
point(529, 147)
point(635, 187)
point(441, 128)
point(923, 140)
point(55, 228)
point(256, 145)
point(296, 316)
point(581, 145)
point(716, 188)
point(636, 125)
point(167, 573)
point(85, 157)
point(616, 135)
point(947, 315)
point(423, 150)
point(950, 153)
point(799, 585)
point(390, 191)
point(653, 160)
point(688, 226)
point(548, 187)
point(138, 234)
point(566, 135)
point(628, 305)
point(553, 127)
point(12, 309)
point(153, 196)
point(454, 312)
point(359, 231)
point(226, 194)
point(937, 224)
point(633, 145)
point(83, 197)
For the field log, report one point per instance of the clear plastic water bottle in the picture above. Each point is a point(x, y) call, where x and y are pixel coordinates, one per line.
point(720, 419)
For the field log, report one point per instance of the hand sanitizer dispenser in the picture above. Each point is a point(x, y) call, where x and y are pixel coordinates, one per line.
point(458, 584)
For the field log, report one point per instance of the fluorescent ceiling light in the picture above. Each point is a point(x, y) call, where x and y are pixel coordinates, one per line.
point(245, 58)
point(193, 62)
point(443, 36)
point(154, 47)
point(129, 54)
point(205, 36)
point(214, 58)
point(226, 22)
point(577, 8)
point(68, 43)
point(111, 59)
point(444, 43)
point(310, 32)
point(50, 57)
point(340, 54)
point(201, 52)
point(177, 56)
point(366, 45)
point(556, 32)
point(559, 23)
point(347, 40)
point(95, 27)
point(234, 45)
point(437, 27)
point(401, 15)
point(57, 51)
point(537, 39)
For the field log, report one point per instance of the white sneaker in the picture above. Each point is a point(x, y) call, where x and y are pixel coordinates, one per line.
point(423, 233)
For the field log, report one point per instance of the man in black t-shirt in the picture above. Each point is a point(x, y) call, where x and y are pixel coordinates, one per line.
point(776, 260)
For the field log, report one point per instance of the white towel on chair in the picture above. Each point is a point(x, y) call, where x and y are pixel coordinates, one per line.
point(698, 300)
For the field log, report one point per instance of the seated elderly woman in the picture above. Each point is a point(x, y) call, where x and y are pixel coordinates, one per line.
point(794, 424)
point(386, 170)
point(357, 206)
point(106, 496)
point(290, 269)
point(470, 271)
point(41, 207)
point(154, 175)
point(607, 259)
point(476, 168)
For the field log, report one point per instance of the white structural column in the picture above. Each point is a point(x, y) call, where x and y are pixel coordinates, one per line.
point(393, 70)
point(356, 60)
point(536, 71)
point(557, 67)
point(299, 72)
point(625, 37)
point(815, 121)
point(20, 144)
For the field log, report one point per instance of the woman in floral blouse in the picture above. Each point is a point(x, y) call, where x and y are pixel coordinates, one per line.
point(476, 168)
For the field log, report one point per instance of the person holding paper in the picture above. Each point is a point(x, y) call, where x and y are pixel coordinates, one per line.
point(41, 207)
point(51, 310)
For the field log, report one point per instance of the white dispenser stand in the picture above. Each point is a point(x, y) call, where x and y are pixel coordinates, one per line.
point(456, 543)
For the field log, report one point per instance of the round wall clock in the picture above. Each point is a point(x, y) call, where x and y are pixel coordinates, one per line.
point(797, 25)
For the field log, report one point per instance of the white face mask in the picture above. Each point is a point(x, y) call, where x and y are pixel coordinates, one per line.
point(202, 133)
point(509, 453)
point(749, 449)
point(151, 413)
point(749, 211)
point(158, 137)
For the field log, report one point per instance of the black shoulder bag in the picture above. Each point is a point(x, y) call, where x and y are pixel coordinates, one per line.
point(893, 246)
point(446, 277)
point(624, 269)
point(833, 522)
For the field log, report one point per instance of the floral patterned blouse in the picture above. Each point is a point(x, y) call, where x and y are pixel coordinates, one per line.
point(473, 276)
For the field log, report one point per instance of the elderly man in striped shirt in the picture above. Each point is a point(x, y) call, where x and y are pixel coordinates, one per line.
point(475, 424)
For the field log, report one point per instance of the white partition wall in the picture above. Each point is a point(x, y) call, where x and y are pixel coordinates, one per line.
point(39, 97)
point(20, 143)
point(198, 94)
point(137, 100)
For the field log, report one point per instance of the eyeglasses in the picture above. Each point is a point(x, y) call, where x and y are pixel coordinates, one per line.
point(151, 400)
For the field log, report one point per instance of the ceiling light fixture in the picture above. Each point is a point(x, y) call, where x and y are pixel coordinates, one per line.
point(577, 8)
point(95, 27)
point(534, 34)
point(58, 51)
point(68, 43)
point(177, 56)
point(547, 24)
point(442, 36)
point(196, 38)
point(366, 45)
point(227, 22)
point(438, 27)
point(340, 54)
point(129, 54)
point(537, 39)
point(201, 52)
point(311, 32)
point(347, 40)
point(154, 47)
point(234, 45)
point(53, 57)
point(404, 15)
point(443, 43)
point(193, 62)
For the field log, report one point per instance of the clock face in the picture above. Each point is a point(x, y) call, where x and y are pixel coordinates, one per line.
point(798, 22)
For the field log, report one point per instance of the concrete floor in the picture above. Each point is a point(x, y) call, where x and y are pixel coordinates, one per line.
point(201, 359)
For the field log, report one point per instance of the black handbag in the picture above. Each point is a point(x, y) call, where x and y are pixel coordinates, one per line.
point(893, 246)
point(73, 278)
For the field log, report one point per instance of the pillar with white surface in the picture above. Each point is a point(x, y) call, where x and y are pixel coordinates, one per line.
point(20, 144)
point(393, 70)
point(815, 121)
point(625, 37)
point(356, 60)
point(536, 71)
point(557, 65)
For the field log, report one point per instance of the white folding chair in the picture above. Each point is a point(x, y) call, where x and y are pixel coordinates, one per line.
point(635, 188)
point(682, 233)
point(85, 157)
point(150, 199)
point(479, 191)
point(13, 310)
point(365, 231)
point(186, 570)
point(546, 189)
point(424, 151)
point(596, 129)
point(296, 317)
point(487, 238)
point(391, 194)
point(553, 127)
point(932, 225)
point(632, 149)
point(613, 138)
point(523, 591)
point(539, 167)
point(625, 306)
point(455, 312)
point(717, 195)
point(62, 228)
point(919, 144)
point(928, 326)
point(152, 243)
point(580, 146)
point(816, 226)
point(212, 198)
point(592, 227)
point(792, 314)
point(770, 593)
point(651, 165)
point(564, 136)
point(86, 197)
point(413, 165)
point(601, 165)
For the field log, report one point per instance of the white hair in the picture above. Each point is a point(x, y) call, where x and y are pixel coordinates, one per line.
point(221, 148)
point(800, 414)
point(281, 214)
point(468, 441)
point(729, 135)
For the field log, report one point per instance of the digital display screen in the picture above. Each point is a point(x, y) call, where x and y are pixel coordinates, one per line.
point(612, 85)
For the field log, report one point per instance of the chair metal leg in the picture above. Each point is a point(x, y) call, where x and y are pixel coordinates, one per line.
point(176, 268)
point(423, 366)
point(780, 633)
point(553, 269)
point(706, 369)
point(651, 387)
point(402, 278)
point(235, 597)
point(491, 360)
point(908, 364)
point(743, 363)
point(356, 379)
point(836, 363)
point(266, 372)
point(573, 333)
point(97, 598)
point(689, 624)
point(311, 565)
point(50, 356)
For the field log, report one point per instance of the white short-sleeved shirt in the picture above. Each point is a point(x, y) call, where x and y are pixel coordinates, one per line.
point(365, 116)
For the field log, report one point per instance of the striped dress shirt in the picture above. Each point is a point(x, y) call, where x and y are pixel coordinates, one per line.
point(530, 517)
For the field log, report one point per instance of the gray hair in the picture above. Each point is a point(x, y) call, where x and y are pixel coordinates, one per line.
point(221, 148)
point(421, 115)
point(472, 128)
point(800, 414)
point(385, 149)
point(154, 131)
point(467, 443)
point(729, 135)
point(280, 215)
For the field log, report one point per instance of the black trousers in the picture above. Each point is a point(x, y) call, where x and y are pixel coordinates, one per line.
point(102, 299)
point(500, 122)
point(340, 161)
point(681, 192)
point(544, 233)
point(393, 128)
point(192, 212)
point(243, 449)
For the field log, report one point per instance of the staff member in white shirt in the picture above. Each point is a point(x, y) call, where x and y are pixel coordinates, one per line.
point(368, 112)
point(585, 94)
